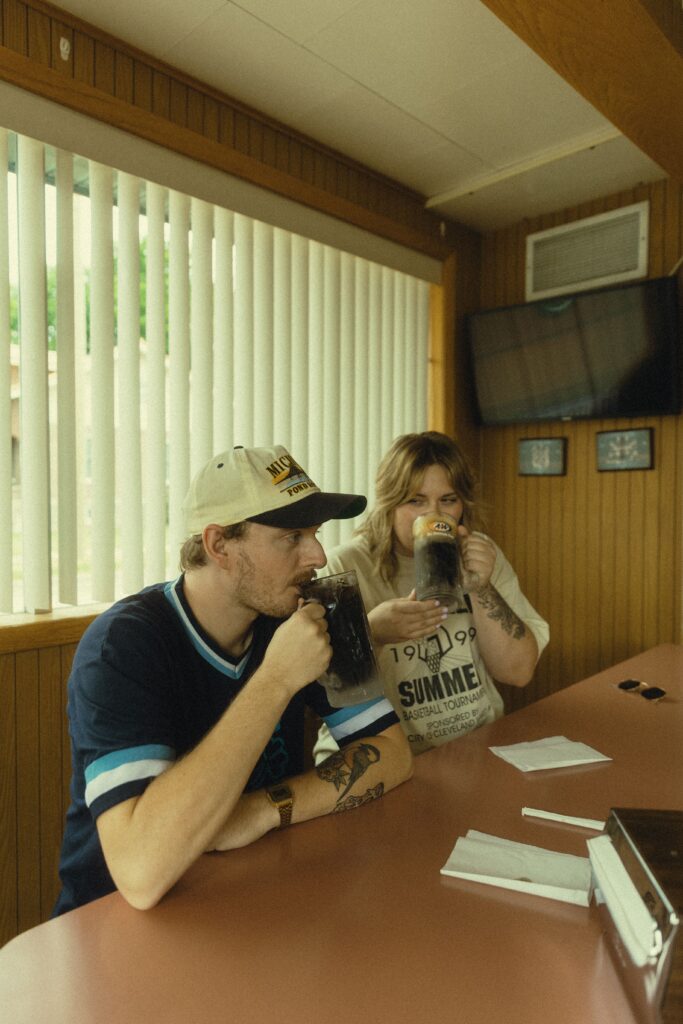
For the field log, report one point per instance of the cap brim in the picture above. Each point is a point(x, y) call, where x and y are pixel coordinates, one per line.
point(313, 510)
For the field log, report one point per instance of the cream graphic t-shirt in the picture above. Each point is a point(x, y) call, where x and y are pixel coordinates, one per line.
point(439, 687)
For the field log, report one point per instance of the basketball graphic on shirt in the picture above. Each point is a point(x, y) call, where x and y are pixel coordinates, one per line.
point(433, 649)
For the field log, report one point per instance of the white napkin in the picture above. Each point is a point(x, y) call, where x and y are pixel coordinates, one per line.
point(552, 752)
point(479, 857)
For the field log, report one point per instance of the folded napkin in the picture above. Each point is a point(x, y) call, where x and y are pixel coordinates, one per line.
point(479, 857)
point(553, 752)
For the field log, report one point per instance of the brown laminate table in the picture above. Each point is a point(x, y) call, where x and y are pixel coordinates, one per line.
point(347, 918)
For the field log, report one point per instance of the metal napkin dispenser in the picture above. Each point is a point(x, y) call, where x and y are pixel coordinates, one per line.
point(637, 870)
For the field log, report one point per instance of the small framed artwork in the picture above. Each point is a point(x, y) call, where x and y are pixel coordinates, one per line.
point(542, 456)
point(625, 449)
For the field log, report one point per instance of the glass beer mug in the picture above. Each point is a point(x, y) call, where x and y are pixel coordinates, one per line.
point(437, 559)
point(352, 676)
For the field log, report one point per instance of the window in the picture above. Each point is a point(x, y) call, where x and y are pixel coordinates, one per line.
point(142, 330)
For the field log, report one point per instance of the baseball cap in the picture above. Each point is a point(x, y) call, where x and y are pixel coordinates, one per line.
point(262, 485)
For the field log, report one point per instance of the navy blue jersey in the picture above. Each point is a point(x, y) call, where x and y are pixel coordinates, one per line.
point(146, 685)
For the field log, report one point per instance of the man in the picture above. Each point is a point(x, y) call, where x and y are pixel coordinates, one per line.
point(186, 701)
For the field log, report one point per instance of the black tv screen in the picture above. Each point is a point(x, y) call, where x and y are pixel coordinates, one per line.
point(605, 353)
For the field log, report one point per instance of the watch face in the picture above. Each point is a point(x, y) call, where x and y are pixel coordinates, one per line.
point(281, 792)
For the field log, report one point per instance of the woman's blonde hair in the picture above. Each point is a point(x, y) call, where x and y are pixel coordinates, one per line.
point(192, 553)
point(398, 478)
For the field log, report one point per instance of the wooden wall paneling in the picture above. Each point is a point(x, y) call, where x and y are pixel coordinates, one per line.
point(195, 110)
point(256, 141)
point(178, 105)
point(8, 801)
point(66, 653)
point(142, 85)
point(620, 580)
point(677, 546)
point(105, 77)
point(124, 78)
point(28, 789)
point(282, 154)
point(15, 26)
point(665, 521)
point(295, 161)
point(307, 165)
point(240, 135)
point(342, 181)
point(515, 497)
point(605, 486)
point(51, 712)
point(565, 609)
point(551, 517)
point(210, 118)
point(354, 192)
point(653, 534)
point(585, 582)
point(226, 126)
point(268, 150)
point(38, 36)
point(639, 548)
point(161, 94)
point(84, 58)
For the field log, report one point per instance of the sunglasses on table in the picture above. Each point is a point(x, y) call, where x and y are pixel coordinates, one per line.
point(653, 693)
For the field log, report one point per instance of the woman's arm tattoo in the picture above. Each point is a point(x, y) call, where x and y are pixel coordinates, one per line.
point(498, 609)
point(343, 772)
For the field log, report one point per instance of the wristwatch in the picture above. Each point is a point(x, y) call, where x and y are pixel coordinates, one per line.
point(281, 797)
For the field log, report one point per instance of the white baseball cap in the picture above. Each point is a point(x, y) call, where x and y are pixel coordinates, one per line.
point(262, 485)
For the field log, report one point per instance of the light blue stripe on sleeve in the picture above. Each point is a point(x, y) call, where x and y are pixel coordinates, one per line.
point(108, 781)
point(346, 721)
point(149, 751)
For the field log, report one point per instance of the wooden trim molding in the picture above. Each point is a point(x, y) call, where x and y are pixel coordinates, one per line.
point(53, 629)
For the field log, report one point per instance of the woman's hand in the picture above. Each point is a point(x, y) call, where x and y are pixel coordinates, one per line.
point(405, 618)
point(478, 556)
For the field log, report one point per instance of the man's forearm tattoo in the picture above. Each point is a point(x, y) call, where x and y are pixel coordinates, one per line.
point(497, 609)
point(357, 801)
point(343, 772)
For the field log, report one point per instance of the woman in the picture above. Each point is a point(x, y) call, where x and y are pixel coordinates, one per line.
point(439, 665)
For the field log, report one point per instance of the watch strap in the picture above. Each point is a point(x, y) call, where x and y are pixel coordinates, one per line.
point(281, 797)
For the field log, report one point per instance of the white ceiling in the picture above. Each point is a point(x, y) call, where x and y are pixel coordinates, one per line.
point(436, 94)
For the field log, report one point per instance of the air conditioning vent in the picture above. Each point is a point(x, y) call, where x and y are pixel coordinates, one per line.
point(588, 253)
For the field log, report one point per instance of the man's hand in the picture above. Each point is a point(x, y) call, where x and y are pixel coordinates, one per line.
point(405, 618)
point(299, 650)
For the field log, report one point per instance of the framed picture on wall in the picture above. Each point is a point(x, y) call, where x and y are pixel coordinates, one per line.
point(542, 456)
point(625, 449)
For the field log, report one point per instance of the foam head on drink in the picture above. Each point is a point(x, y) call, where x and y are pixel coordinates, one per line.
point(437, 563)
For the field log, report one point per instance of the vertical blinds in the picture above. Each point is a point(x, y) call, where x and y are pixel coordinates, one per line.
point(142, 330)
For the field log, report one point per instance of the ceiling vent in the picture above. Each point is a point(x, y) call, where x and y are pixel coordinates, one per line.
point(588, 253)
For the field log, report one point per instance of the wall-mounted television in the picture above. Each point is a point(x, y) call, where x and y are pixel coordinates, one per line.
point(597, 354)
